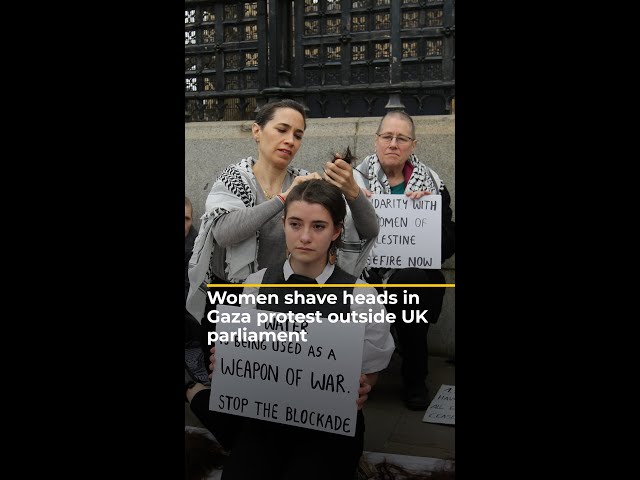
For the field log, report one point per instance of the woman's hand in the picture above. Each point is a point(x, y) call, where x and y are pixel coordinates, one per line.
point(340, 174)
point(416, 195)
point(363, 391)
point(212, 360)
point(301, 179)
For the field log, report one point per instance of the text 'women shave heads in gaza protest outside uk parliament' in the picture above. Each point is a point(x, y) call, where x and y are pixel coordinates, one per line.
point(290, 326)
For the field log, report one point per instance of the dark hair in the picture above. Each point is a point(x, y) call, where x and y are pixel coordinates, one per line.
point(390, 471)
point(265, 114)
point(322, 193)
point(404, 116)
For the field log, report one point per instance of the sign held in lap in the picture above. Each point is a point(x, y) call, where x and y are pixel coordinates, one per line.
point(309, 384)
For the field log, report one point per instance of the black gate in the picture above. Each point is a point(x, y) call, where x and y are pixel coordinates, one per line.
point(338, 57)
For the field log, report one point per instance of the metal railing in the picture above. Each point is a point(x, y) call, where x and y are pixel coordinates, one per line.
point(337, 57)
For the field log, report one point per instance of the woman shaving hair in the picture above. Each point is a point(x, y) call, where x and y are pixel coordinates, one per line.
point(313, 221)
point(241, 231)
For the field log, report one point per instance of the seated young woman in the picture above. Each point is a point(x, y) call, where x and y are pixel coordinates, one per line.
point(313, 220)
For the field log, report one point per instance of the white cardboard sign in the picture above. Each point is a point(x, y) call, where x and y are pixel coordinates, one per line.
point(410, 232)
point(442, 408)
point(312, 384)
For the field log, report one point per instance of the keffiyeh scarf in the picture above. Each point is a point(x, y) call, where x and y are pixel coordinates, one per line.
point(234, 189)
point(422, 178)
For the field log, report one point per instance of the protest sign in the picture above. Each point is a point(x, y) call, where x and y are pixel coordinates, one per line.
point(310, 384)
point(442, 408)
point(410, 232)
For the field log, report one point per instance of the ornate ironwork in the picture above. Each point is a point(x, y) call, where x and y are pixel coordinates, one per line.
point(370, 101)
point(323, 104)
point(420, 99)
point(346, 36)
point(345, 100)
point(366, 55)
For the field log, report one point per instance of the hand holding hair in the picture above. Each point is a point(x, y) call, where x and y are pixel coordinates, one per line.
point(301, 179)
point(338, 172)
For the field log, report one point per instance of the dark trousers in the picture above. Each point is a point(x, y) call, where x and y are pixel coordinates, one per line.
point(272, 451)
point(412, 337)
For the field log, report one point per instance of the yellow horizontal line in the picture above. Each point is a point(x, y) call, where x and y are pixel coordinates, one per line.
point(357, 285)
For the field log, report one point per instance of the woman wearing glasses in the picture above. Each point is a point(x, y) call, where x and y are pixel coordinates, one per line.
point(241, 231)
point(395, 169)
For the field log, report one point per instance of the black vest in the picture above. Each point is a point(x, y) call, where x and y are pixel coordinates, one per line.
point(276, 275)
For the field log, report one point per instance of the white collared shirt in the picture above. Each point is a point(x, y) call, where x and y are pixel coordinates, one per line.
point(288, 271)
point(378, 342)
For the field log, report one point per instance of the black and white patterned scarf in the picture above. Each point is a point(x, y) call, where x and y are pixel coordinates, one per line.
point(239, 180)
point(237, 184)
point(234, 189)
point(422, 178)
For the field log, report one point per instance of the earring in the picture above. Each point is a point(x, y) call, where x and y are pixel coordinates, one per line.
point(333, 253)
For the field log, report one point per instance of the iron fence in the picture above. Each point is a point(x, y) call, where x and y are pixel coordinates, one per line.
point(337, 57)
